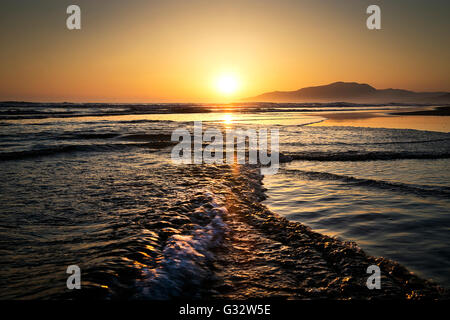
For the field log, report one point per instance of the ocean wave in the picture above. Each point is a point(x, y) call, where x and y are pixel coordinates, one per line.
point(140, 121)
point(147, 137)
point(420, 190)
point(366, 143)
point(361, 156)
point(104, 147)
point(185, 257)
point(87, 136)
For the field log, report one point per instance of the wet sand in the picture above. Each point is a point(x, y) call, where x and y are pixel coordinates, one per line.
point(439, 111)
point(429, 119)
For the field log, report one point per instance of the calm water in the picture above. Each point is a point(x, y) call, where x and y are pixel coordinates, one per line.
point(95, 187)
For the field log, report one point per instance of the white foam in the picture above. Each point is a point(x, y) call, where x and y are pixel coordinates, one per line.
point(185, 257)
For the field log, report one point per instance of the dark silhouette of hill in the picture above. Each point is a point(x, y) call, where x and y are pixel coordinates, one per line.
point(352, 92)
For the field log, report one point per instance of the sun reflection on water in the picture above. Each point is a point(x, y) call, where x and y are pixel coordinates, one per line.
point(227, 118)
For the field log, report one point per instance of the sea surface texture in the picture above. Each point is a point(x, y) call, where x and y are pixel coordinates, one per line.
point(94, 186)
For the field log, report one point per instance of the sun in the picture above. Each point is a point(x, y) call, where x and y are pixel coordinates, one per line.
point(227, 84)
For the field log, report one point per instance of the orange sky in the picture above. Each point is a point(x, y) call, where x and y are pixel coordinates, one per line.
point(161, 51)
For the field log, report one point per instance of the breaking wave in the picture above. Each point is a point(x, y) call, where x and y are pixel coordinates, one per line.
point(362, 156)
point(186, 257)
point(103, 147)
point(420, 190)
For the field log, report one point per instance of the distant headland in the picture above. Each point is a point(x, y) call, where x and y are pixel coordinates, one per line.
point(352, 92)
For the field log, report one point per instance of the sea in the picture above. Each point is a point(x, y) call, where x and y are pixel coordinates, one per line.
point(93, 185)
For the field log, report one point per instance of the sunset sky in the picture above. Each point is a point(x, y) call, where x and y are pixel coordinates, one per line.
point(186, 51)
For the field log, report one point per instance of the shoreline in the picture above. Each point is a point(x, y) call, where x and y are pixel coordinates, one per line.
point(438, 111)
point(261, 245)
point(415, 119)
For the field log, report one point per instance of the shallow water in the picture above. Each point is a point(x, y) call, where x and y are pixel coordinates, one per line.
point(100, 191)
point(396, 206)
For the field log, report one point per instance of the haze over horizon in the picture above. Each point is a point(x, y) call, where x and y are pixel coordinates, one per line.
point(171, 51)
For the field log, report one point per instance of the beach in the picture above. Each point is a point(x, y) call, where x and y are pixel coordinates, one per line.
point(418, 118)
point(214, 159)
point(99, 190)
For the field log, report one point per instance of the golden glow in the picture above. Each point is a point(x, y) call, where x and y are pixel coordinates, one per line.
point(431, 123)
point(227, 84)
point(193, 51)
point(228, 118)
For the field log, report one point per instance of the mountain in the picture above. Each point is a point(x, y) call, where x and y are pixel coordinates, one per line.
point(352, 92)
